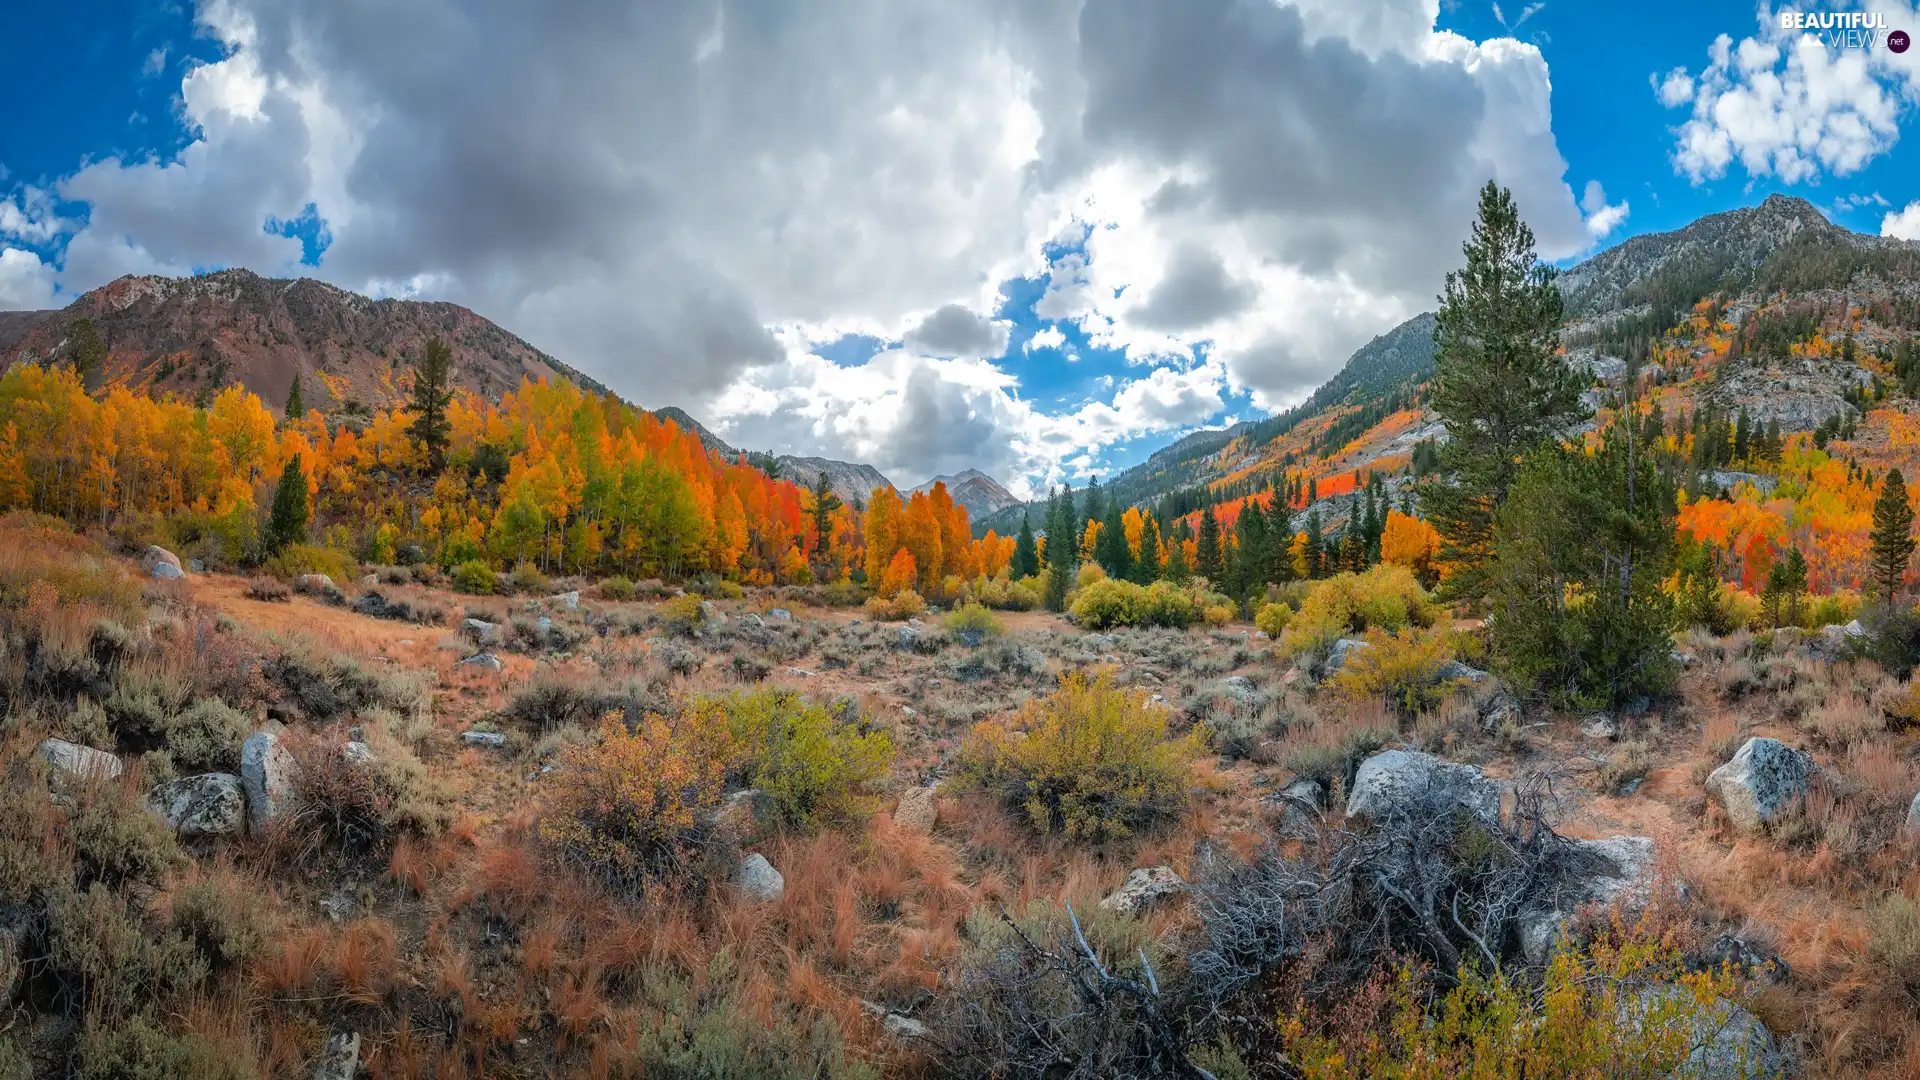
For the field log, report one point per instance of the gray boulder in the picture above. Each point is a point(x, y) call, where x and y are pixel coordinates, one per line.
point(341, 1059)
point(780, 614)
point(1728, 1042)
point(156, 556)
point(755, 621)
point(71, 761)
point(1338, 654)
point(1455, 671)
point(1397, 782)
point(211, 804)
point(482, 660)
point(316, 584)
point(972, 639)
point(1762, 781)
point(483, 738)
point(1913, 815)
point(167, 572)
point(266, 774)
point(758, 880)
point(568, 600)
point(1600, 726)
point(1240, 688)
point(710, 615)
point(1499, 711)
point(1593, 872)
point(481, 631)
point(1300, 805)
point(1145, 886)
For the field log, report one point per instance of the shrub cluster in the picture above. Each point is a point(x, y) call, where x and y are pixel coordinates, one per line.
point(1090, 761)
point(1402, 669)
point(1386, 597)
point(1106, 603)
point(905, 604)
point(973, 617)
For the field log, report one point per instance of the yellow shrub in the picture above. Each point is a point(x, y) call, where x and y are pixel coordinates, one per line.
point(299, 559)
point(904, 604)
point(627, 807)
point(811, 763)
point(1104, 603)
point(1218, 615)
point(974, 617)
point(1626, 1007)
point(1272, 619)
point(1386, 597)
point(682, 613)
point(1004, 593)
point(1089, 573)
point(1096, 762)
point(1399, 669)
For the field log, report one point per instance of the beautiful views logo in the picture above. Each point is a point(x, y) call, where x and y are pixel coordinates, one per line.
point(1845, 30)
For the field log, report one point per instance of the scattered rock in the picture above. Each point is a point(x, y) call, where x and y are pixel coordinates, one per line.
point(1913, 814)
point(743, 816)
point(73, 761)
point(481, 631)
point(568, 600)
point(1499, 711)
point(196, 566)
point(266, 770)
point(1685, 659)
point(484, 738)
point(802, 672)
point(1746, 958)
point(909, 638)
point(1394, 781)
point(758, 880)
point(972, 639)
point(1455, 671)
point(780, 614)
point(1853, 629)
point(211, 804)
point(341, 1059)
point(357, 753)
point(1241, 689)
point(1099, 641)
point(1145, 886)
point(1337, 655)
point(167, 572)
point(483, 660)
point(314, 584)
point(711, 615)
point(1599, 872)
point(750, 619)
point(1299, 805)
point(1763, 780)
point(915, 623)
point(368, 581)
point(374, 605)
point(1729, 1043)
point(411, 555)
point(895, 1023)
point(918, 810)
point(156, 556)
point(1600, 726)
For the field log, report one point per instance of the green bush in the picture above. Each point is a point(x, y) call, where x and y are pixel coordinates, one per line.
point(618, 588)
point(1091, 761)
point(116, 840)
point(99, 943)
point(683, 614)
point(973, 617)
point(221, 919)
point(527, 578)
point(812, 763)
point(1005, 594)
point(476, 577)
point(1108, 603)
point(1272, 619)
point(297, 559)
point(140, 1050)
point(207, 737)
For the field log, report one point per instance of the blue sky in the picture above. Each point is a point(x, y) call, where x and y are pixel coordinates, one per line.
point(1046, 258)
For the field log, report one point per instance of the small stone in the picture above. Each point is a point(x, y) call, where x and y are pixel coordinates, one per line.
point(266, 770)
point(780, 614)
point(484, 738)
point(76, 762)
point(196, 566)
point(800, 671)
point(211, 804)
point(1145, 886)
point(710, 615)
point(317, 584)
point(568, 600)
point(758, 880)
point(357, 753)
point(1300, 805)
point(341, 1059)
point(919, 810)
point(368, 581)
point(1455, 671)
point(903, 1027)
point(1600, 726)
point(483, 660)
point(972, 639)
point(481, 631)
point(755, 621)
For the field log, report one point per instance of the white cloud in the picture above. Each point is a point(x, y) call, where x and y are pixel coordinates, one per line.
point(29, 216)
point(1047, 338)
point(1903, 224)
point(1602, 217)
point(26, 283)
point(686, 200)
point(1779, 107)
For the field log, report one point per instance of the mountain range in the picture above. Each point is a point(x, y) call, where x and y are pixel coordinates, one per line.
point(193, 336)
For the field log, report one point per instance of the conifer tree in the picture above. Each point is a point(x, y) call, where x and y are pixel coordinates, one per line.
point(432, 393)
point(287, 522)
point(1026, 554)
point(296, 406)
point(1315, 546)
point(825, 502)
point(1178, 571)
point(1146, 568)
point(1499, 384)
point(1743, 436)
point(1251, 556)
point(1111, 550)
point(1209, 560)
point(1795, 583)
point(88, 352)
point(1891, 544)
point(1093, 509)
point(1279, 540)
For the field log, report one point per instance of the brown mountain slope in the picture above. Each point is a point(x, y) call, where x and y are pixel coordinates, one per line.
point(194, 336)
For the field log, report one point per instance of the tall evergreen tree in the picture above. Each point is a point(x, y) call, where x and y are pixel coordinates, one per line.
point(1111, 550)
point(1094, 508)
point(87, 351)
point(296, 405)
point(432, 393)
point(1026, 554)
point(1209, 560)
point(1146, 568)
point(1891, 544)
point(825, 502)
point(1252, 557)
point(1499, 384)
point(1315, 547)
point(1794, 583)
point(1279, 541)
point(287, 522)
point(1743, 436)
point(1178, 571)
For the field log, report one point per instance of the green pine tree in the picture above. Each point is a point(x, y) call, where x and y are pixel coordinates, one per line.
point(1094, 508)
point(1743, 436)
point(432, 393)
point(1279, 541)
point(825, 502)
point(1110, 548)
point(1499, 384)
point(1794, 584)
point(1315, 547)
point(1178, 571)
point(1891, 545)
point(1026, 554)
point(1210, 559)
point(87, 351)
point(296, 406)
point(1147, 567)
point(287, 522)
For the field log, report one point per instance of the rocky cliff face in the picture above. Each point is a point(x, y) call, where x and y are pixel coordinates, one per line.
point(981, 494)
point(194, 336)
point(852, 483)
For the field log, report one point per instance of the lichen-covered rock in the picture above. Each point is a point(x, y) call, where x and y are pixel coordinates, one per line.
point(71, 761)
point(485, 660)
point(780, 614)
point(481, 631)
point(1338, 654)
point(1600, 726)
point(1240, 688)
point(1397, 782)
point(1455, 671)
point(1145, 886)
point(758, 880)
point(341, 1059)
point(1728, 1042)
point(484, 738)
point(569, 600)
point(166, 572)
point(315, 584)
point(266, 774)
point(919, 810)
point(210, 804)
point(1763, 780)
point(1499, 711)
point(1299, 806)
point(157, 556)
point(1597, 872)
